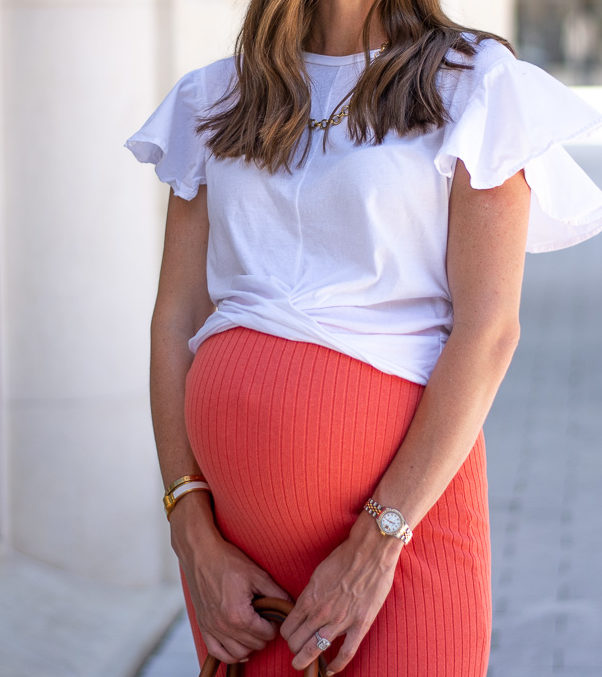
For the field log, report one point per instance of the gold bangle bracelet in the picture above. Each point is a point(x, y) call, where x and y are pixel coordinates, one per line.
point(181, 480)
point(170, 500)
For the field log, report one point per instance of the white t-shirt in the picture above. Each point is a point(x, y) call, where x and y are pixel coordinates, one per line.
point(349, 251)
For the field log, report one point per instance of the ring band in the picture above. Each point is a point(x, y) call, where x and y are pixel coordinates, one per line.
point(323, 643)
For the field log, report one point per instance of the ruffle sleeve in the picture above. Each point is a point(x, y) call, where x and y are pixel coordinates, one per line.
point(518, 116)
point(168, 140)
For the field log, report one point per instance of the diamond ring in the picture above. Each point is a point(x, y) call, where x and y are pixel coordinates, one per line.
point(323, 643)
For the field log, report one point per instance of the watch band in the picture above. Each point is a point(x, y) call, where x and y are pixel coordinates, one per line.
point(373, 508)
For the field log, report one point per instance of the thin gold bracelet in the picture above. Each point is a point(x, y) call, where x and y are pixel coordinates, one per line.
point(181, 480)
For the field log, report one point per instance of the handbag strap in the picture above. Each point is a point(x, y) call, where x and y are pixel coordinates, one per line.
point(272, 609)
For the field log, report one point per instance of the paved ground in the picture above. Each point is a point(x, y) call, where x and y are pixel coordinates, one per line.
point(56, 623)
point(544, 446)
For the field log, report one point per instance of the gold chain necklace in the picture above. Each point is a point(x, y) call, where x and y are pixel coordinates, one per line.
point(338, 117)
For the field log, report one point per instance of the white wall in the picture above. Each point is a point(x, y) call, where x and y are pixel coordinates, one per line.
point(83, 223)
point(496, 16)
point(79, 287)
point(84, 543)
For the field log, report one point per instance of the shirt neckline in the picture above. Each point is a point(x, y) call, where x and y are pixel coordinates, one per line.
point(330, 60)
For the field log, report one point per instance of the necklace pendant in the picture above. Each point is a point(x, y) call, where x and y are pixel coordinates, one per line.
point(338, 117)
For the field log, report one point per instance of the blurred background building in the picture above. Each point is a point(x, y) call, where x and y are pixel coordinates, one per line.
point(565, 38)
point(88, 581)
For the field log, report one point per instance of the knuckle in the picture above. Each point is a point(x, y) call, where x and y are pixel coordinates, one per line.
point(302, 652)
point(230, 659)
point(306, 650)
point(266, 634)
point(222, 655)
point(257, 637)
point(289, 623)
point(259, 644)
point(233, 652)
point(309, 650)
point(263, 626)
point(322, 615)
point(215, 648)
point(338, 617)
point(309, 600)
point(364, 626)
point(239, 652)
point(346, 654)
point(237, 619)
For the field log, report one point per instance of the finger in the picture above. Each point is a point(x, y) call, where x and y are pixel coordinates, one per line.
point(234, 647)
point(297, 616)
point(215, 648)
point(252, 641)
point(264, 584)
point(305, 634)
point(245, 625)
point(348, 649)
point(309, 650)
point(248, 627)
point(258, 627)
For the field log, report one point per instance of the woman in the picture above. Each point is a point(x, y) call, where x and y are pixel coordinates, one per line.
point(356, 314)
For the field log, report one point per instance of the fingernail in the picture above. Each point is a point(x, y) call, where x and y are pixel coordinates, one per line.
point(329, 672)
point(243, 660)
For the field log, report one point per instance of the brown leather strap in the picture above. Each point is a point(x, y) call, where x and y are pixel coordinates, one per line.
point(272, 609)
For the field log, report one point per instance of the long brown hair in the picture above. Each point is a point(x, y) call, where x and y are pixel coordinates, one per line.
point(272, 96)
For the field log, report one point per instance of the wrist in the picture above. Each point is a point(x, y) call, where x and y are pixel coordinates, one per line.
point(368, 539)
point(192, 521)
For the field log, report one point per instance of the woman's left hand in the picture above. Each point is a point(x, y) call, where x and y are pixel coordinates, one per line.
point(344, 595)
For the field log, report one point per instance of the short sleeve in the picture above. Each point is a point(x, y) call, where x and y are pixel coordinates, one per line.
point(168, 138)
point(518, 116)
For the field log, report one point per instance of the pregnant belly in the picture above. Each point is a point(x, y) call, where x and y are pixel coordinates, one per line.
point(292, 437)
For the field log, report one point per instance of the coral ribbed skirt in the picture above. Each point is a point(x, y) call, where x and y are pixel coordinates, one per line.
point(293, 437)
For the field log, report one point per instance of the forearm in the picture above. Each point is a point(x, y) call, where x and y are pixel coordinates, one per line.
point(170, 362)
point(446, 423)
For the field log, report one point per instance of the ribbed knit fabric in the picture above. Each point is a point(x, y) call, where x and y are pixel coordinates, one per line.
point(293, 437)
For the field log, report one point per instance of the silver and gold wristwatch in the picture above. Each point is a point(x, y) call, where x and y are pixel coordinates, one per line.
point(390, 521)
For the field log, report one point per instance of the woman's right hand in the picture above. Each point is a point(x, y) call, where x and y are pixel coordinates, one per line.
point(222, 581)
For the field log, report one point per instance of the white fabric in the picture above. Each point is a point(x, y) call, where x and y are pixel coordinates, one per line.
point(349, 250)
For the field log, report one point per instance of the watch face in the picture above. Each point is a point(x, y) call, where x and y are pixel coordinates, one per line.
point(390, 522)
